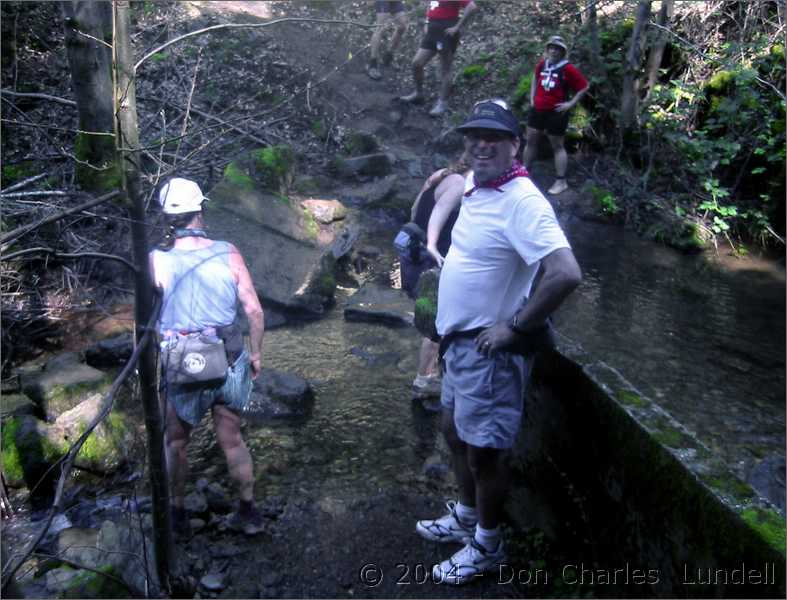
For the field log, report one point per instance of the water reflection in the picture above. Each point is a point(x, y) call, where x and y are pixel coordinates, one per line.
point(706, 343)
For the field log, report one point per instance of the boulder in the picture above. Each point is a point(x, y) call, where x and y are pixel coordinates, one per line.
point(112, 352)
point(12, 405)
point(288, 253)
point(376, 303)
point(376, 164)
point(325, 211)
point(278, 395)
point(63, 383)
point(30, 446)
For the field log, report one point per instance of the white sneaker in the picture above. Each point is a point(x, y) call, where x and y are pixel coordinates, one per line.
point(427, 385)
point(438, 109)
point(448, 528)
point(471, 561)
point(558, 187)
point(414, 98)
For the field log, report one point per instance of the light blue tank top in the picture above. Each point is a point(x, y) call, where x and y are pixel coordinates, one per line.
point(201, 292)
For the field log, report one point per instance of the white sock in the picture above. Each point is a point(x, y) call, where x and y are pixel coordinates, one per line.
point(488, 538)
point(466, 514)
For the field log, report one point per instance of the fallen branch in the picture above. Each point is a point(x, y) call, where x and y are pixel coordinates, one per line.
point(20, 231)
point(57, 254)
point(68, 460)
point(37, 193)
point(39, 97)
point(25, 182)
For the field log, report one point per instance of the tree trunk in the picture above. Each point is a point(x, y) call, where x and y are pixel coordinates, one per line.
point(629, 95)
point(88, 36)
point(595, 45)
point(129, 158)
point(657, 52)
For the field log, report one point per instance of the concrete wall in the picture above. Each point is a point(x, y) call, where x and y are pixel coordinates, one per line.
point(643, 505)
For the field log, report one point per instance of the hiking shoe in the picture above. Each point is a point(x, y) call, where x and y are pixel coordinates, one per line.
point(447, 528)
point(426, 385)
point(438, 109)
point(558, 187)
point(373, 72)
point(470, 562)
point(414, 98)
point(248, 521)
point(387, 58)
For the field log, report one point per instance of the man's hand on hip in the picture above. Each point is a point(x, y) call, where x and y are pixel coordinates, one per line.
point(495, 338)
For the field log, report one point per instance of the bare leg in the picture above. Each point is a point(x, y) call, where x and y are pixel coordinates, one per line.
point(464, 477)
point(446, 60)
point(419, 62)
point(178, 433)
point(531, 147)
point(377, 36)
point(561, 158)
point(427, 358)
point(491, 476)
point(227, 426)
point(401, 26)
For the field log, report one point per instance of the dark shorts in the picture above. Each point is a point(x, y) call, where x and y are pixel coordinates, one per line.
point(192, 401)
point(437, 40)
point(554, 123)
point(411, 270)
point(392, 7)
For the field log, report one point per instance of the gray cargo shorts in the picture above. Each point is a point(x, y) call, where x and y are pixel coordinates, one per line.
point(486, 395)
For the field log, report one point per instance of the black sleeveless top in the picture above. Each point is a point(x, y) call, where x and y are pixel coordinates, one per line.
point(424, 211)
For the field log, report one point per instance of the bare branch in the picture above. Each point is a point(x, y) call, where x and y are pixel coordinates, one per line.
point(248, 25)
point(39, 96)
point(25, 182)
point(37, 193)
point(20, 231)
point(57, 254)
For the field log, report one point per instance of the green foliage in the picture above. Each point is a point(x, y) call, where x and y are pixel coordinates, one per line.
point(238, 177)
point(159, 57)
point(14, 173)
point(521, 97)
point(9, 457)
point(474, 72)
point(605, 200)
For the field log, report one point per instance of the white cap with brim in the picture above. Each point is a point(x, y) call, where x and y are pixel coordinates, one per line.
point(556, 40)
point(179, 196)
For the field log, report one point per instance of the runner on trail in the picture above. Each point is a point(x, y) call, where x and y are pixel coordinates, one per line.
point(387, 12)
point(554, 80)
point(441, 36)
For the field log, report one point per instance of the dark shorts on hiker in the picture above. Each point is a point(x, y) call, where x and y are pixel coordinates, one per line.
point(554, 123)
point(486, 395)
point(437, 40)
point(411, 270)
point(392, 7)
point(192, 401)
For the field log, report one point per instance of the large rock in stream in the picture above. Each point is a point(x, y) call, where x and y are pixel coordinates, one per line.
point(290, 253)
point(377, 303)
point(278, 395)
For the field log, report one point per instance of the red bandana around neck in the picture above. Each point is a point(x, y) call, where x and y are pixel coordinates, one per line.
point(517, 170)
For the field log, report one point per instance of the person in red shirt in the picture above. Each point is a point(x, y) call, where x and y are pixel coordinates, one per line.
point(554, 80)
point(441, 36)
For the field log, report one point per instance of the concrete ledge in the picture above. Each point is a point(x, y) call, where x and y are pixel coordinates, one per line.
point(649, 509)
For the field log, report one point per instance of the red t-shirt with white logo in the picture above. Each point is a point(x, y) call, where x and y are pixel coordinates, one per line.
point(445, 9)
point(549, 91)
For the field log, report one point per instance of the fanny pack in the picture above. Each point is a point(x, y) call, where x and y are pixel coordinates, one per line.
point(194, 358)
point(410, 241)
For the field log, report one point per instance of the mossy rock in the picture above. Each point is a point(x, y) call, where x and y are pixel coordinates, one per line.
point(426, 303)
point(358, 143)
point(270, 168)
point(106, 583)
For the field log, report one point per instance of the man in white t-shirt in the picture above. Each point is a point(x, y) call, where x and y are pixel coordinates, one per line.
point(505, 231)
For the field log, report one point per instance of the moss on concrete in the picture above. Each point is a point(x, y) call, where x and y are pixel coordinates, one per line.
point(729, 485)
point(769, 524)
point(310, 225)
point(101, 584)
point(630, 399)
point(273, 166)
point(97, 448)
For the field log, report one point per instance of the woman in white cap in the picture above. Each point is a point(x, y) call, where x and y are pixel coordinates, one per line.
point(554, 81)
point(202, 281)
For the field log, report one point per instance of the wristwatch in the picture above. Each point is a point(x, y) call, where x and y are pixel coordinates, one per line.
point(513, 324)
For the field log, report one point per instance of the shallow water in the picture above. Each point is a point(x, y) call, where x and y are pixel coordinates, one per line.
point(705, 340)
